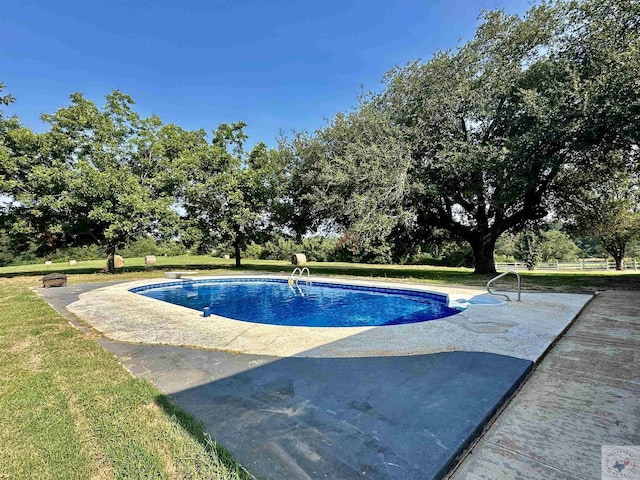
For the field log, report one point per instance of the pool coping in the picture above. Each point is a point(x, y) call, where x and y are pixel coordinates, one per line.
point(518, 329)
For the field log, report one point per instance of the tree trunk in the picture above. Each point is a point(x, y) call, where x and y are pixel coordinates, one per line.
point(617, 248)
point(619, 261)
point(111, 264)
point(483, 247)
point(236, 246)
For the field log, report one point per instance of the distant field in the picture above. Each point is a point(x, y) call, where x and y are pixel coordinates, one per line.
point(570, 281)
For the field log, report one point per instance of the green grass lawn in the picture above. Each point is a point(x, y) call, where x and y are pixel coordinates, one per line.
point(570, 281)
point(68, 409)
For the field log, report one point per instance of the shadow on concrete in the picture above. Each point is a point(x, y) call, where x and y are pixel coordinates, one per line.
point(196, 430)
point(381, 418)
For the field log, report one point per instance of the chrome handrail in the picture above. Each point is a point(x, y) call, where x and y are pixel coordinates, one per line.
point(504, 294)
point(308, 274)
point(300, 272)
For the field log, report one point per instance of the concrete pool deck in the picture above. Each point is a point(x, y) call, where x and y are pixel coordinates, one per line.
point(345, 418)
point(585, 394)
point(517, 329)
point(410, 416)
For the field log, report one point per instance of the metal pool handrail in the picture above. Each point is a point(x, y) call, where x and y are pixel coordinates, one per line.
point(297, 270)
point(308, 274)
point(300, 272)
point(503, 294)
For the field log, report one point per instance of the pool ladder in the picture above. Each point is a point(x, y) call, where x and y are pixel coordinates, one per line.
point(504, 294)
point(293, 280)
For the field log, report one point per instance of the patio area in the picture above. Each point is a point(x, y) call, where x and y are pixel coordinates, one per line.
point(383, 416)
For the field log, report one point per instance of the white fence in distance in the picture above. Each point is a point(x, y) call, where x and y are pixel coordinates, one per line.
point(586, 264)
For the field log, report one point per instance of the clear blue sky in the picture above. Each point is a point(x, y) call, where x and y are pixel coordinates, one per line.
point(275, 64)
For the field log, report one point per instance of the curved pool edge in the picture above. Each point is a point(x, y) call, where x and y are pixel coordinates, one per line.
point(520, 330)
point(311, 302)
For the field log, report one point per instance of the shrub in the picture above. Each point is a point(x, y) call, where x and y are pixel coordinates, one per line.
point(555, 245)
point(253, 251)
point(278, 249)
point(528, 249)
point(86, 252)
point(150, 246)
point(141, 247)
point(319, 249)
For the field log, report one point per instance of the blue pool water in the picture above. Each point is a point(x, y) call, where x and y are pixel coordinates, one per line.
point(275, 302)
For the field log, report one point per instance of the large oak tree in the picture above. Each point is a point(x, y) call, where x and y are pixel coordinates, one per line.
point(603, 202)
point(473, 141)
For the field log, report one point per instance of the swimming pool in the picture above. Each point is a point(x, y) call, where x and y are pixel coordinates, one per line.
point(319, 304)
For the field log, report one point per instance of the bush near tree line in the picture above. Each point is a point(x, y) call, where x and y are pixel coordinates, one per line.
point(549, 246)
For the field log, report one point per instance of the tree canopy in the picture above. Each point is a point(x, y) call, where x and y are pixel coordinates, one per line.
point(230, 195)
point(96, 176)
point(472, 141)
point(534, 115)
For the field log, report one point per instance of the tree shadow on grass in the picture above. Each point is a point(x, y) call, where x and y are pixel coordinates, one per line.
point(318, 269)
